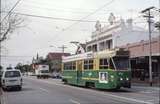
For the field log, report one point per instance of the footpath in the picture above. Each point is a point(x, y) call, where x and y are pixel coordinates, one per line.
point(0, 95)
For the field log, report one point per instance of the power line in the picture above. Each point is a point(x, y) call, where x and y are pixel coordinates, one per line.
point(62, 10)
point(55, 18)
point(63, 19)
point(11, 10)
point(14, 56)
point(91, 14)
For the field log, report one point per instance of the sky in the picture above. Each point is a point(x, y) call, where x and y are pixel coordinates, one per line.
point(39, 34)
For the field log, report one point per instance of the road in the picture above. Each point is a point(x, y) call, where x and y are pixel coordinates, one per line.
point(53, 91)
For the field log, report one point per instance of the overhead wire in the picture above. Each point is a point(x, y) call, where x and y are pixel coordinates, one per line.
point(90, 14)
point(57, 18)
point(11, 10)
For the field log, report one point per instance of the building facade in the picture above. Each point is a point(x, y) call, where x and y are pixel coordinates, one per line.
point(54, 60)
point(123, 34)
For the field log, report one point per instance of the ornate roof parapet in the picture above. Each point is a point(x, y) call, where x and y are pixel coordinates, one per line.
point(129, 23)
point(98, 26)
point(114, 25)
point(112, 19)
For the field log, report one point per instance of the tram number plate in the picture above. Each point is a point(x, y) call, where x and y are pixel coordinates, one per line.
point(103, 77)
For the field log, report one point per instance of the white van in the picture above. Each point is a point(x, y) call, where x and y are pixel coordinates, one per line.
point(11, 78)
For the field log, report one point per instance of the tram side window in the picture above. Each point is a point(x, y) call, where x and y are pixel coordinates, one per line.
point(88, 64)
point(73, 65)
point(103, 64)
point(70, 66)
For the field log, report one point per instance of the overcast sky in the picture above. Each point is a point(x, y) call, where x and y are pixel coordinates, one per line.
point(40, 33)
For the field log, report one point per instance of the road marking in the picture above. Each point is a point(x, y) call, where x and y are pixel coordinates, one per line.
point(44, 90)
point(3, 100)
point(152, 88)
point(75, 102)
point(110, 95)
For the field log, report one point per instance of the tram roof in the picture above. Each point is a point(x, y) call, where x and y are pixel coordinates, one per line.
point(100, 54)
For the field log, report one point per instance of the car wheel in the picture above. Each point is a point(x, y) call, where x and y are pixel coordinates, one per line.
point(4, 89)
point(19, 88)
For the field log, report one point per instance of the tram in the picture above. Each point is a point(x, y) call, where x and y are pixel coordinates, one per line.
point(108, 69)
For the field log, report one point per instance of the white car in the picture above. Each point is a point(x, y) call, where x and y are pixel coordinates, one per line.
point(11, 78)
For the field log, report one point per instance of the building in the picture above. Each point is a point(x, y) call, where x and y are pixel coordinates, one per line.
point(117, 33)
point(54, 61)
point(139, 55)
point(123, 34)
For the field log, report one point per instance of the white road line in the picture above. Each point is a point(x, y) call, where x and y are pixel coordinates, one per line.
point(75, 102)
point(44, 90)
point(110, 95)
point(3, 101)
point(152, 88)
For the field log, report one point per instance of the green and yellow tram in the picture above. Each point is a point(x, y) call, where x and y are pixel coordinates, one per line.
point(103, 70)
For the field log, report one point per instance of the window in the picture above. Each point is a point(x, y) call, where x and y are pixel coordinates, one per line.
point(103, 64)
point(44, 71)
point(70, 66)
point(10, 74)
point(121, 63)
point(88, 64)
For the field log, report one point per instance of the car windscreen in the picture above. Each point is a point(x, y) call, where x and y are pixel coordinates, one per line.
point(44, 71)
point(10, 74)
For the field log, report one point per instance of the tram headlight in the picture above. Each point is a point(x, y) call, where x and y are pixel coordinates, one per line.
point(127, 79)
point(121, 79)
point(112, 78)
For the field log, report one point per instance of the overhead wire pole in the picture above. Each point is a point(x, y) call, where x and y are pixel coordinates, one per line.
point(148, 16)
point(158, 26)
point(63, 47)
point(159, 40)
point(0, 29)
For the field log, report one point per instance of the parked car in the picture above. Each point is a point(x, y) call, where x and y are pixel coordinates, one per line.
point(56, 75)
point(11, 79)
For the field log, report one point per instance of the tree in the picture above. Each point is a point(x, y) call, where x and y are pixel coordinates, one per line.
point(9, 24)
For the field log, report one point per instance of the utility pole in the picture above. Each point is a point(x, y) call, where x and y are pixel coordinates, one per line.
point(0, 29)
point(63, 47)
point(158, 27)
point(148, 16)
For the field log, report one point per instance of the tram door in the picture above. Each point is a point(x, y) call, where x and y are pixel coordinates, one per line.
point(79, 71)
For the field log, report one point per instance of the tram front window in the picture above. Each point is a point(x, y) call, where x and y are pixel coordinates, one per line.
point(121, 63)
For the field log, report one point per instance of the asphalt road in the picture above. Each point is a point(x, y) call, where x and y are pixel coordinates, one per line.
point(53, 91)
